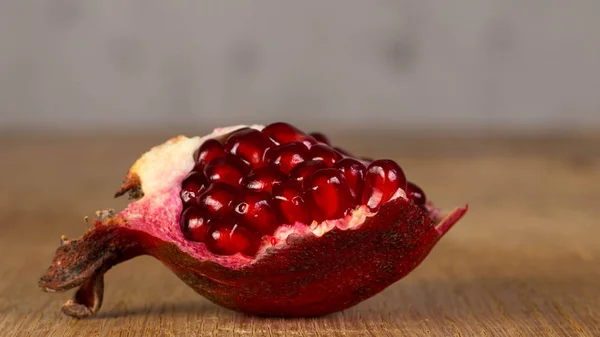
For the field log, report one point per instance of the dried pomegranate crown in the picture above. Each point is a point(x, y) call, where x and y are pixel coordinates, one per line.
point(264, 220)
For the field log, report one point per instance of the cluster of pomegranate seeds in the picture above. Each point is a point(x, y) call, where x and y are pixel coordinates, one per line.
point(251, 182)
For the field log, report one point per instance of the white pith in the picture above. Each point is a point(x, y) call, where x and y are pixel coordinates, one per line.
point(166, 165)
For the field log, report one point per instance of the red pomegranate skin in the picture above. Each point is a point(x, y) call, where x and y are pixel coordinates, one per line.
point(299, 280)
point(307, 275)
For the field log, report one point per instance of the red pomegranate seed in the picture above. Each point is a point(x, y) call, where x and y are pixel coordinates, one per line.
point(284, 133)
point(228, 169)
point(415, 193)
point(194, 223)
point(330, 194)
point(208, 151)
point(263, 179)
point(217, 199)
point(382, 180)
point(306, 168)
point(319, 137)
point(290, 200)
point(287, 156)
point(325, 153)
point(192, 186)
point(255, 211)
point(250, 145)
point(227, 237)
point(354, 172)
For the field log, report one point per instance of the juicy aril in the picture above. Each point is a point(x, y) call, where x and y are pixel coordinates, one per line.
point(267, 221)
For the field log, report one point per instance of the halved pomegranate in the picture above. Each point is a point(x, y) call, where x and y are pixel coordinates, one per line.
point(267, 221)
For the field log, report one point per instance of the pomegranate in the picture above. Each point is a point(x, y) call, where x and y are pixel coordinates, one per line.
point(263, 220)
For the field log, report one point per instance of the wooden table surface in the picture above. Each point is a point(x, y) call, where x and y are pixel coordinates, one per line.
point(525, 261)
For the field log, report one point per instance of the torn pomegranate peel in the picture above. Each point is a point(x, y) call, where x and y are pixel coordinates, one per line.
point(263, 220)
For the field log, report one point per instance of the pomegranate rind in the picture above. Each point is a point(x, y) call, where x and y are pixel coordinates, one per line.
point(306, 277)
point(312, 277)
point(303, 270)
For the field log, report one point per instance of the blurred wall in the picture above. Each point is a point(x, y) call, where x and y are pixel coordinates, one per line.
point(149, 63)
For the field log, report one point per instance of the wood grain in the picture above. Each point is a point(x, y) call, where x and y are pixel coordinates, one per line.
point(525, 261)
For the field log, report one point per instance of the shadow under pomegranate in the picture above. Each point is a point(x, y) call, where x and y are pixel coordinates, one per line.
point(337, 240)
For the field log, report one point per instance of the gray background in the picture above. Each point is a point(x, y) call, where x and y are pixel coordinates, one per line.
point(152, 63)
